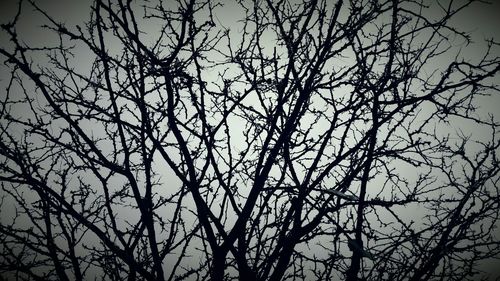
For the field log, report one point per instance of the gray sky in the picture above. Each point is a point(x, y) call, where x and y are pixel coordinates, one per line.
point(483, 21)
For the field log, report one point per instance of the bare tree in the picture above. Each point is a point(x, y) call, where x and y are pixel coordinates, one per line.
point(318, 140)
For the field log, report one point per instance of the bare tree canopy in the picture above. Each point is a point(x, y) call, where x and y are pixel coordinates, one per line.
point(248, 140)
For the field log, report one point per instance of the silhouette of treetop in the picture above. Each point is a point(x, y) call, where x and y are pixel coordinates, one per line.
point(247, 140)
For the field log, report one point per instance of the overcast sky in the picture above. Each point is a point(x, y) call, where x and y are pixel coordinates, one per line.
point(482, 20)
